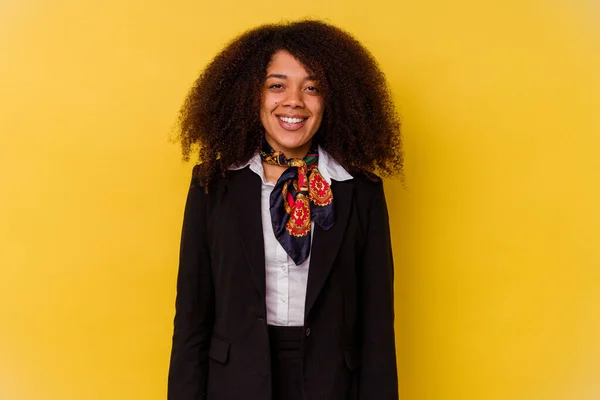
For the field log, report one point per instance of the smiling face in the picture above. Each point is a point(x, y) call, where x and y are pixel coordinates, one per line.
point(291, 108)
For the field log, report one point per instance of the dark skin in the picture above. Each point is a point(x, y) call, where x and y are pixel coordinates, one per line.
point(290, 93)
point(273, 172)
point(220, 121)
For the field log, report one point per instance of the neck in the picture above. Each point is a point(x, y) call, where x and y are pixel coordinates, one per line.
point(298, 152)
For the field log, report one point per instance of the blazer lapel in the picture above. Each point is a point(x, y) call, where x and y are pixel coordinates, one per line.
point(326, 244)
point(244, 188)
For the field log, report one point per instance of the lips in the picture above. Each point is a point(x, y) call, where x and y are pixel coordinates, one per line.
point(291, 123)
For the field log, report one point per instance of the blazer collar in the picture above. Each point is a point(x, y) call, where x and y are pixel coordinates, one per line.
point(326, 244)
point(244, 188)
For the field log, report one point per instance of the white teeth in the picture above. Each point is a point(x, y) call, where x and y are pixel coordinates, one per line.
point(291, 120)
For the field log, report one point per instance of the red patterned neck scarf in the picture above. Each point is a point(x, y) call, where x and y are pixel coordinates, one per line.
point(301, 195)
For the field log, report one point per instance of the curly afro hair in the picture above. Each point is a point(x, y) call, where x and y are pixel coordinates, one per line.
point(360, 129)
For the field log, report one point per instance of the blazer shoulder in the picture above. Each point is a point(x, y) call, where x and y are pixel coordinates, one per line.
point(367, 181)
point(197, 172)
point(201, 176)
point(367, 186)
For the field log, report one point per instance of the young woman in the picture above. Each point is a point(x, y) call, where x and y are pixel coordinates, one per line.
point(285, 283)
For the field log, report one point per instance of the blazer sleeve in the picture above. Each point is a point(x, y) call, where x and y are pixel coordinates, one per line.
point(378, 377)
point(194, 305)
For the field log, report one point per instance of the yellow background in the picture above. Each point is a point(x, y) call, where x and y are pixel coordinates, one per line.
point(496, 235)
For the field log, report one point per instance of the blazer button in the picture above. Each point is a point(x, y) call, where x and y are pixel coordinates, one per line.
point(307, 331)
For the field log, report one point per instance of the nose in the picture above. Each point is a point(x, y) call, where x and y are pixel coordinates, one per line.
point(293, 99)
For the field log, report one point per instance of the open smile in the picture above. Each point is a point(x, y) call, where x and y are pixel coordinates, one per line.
point(291, 123)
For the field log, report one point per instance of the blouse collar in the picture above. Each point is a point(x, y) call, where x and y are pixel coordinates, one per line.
point(328, 167)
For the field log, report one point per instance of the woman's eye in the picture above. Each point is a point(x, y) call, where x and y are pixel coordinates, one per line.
point(312, 89)
point(276, 86)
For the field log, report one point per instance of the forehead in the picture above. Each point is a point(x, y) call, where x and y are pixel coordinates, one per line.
point(284, 63)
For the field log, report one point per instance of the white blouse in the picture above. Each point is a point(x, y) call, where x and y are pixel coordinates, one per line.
point(286, 281)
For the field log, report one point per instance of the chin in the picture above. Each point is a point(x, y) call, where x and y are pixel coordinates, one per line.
point(292, 143)
point(289, 142)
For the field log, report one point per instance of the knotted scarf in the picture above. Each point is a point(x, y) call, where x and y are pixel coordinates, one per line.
point(301, 195)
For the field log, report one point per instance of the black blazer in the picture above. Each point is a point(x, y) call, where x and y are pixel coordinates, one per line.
point(220, 343)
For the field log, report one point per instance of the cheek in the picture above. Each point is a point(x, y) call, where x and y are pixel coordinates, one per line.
point(318, 109)
point(266, 108)
point(268, 103)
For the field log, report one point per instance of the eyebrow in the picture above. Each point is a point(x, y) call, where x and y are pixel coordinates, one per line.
point(281, 76)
